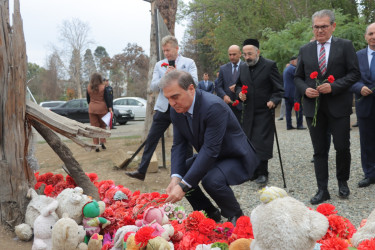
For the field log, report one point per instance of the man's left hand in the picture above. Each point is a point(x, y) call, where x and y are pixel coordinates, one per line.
point(176, 194)
point(270, 104)
point(231, 88)
point(325, 88)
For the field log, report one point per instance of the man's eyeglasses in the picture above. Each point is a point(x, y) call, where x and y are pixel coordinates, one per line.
point(323, 27)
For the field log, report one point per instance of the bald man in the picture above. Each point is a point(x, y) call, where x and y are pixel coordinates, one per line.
point(228, 76)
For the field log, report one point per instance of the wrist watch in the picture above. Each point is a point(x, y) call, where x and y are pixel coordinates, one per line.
point(184, 187)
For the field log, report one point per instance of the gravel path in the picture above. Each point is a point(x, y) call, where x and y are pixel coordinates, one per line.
point(296, 151)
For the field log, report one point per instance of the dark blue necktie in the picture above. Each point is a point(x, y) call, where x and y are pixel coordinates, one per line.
point(189, 118)
point(234, 74)
point(372, 68)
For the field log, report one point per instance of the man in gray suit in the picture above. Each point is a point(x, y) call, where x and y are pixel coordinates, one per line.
point(161, 119)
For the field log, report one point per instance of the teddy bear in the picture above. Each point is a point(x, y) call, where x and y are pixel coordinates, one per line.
point(24, 231)
point(156, 218)
point(282, 222)
point(240, 244)
point(67, 234)
point(43, 225)
point(118, 240)
point(157, 243)
point(71, 201)
point(95, 242)
point(91, 220)
point(366, 232)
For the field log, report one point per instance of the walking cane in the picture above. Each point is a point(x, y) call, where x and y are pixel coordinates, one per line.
point(278, 147)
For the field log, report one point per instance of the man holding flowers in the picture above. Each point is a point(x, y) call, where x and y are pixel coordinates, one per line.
point(326, 69)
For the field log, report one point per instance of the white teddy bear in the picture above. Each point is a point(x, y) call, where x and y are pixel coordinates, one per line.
point(43, 227)
point(71, 201)
point(24, 231)
point(366, 232)
point(67, 234)
point(283, 222)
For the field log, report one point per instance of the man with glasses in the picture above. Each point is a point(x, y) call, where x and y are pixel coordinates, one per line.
point(328, 55)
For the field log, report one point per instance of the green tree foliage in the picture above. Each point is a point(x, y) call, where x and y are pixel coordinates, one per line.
point(102, 60)
point(89, 66)
point(367, 9)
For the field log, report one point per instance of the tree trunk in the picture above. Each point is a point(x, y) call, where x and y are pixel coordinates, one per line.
point(15, 175)
point(74, 169)
point(168, 10)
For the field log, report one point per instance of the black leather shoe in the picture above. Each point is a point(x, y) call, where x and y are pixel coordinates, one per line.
point(234, 219)
point(343, 189)
point(280, 119)
point(301, 128)
point(262, 179)
point(321, 195)
point(355, 125)
point(312, 160)
point(290, 128)
point(216, 215)
point(366, 182)
point(136, 175)
point(103, 146)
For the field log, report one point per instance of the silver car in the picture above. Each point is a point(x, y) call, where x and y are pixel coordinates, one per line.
point(136, 104)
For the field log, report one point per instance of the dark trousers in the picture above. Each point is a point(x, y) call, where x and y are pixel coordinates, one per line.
point(340, 130)
point(216, 183)
point(160, 123)
point(289, 106)
point(237, 113)
point(262, 168)
point(367, 141)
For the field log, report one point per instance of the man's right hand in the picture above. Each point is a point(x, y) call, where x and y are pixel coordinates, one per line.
point(227, 99)
point(172, 184)
point(311, 93)
point(365, 91)
point(169, 69)
point(232, 87)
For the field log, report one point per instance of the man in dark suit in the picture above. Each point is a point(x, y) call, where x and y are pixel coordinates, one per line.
point(365, 106)
point(328, 56)
point(290, 97)
point(225, 156)
point(265, 90)
point(228, 76)
point(206, 85)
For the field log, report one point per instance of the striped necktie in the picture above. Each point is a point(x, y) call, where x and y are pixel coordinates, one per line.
point(322, 59)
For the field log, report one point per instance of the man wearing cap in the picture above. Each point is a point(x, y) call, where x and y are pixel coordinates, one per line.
point(328, 56)
point(289, 95)
point(264, 92)
point(228, 76)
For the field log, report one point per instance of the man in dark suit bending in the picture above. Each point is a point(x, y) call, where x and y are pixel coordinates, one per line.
point(225, 156)
point(328, 55)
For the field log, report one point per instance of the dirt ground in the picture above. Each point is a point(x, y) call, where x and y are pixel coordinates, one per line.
point(101, 163)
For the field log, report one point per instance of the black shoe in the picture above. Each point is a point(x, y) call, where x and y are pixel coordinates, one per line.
point(97, 150)
point(103, 146)
point(343, 189)
point(301, 128)
point(312, 160)
point(262, 179)
point(366, 182)
point(281, 118)
point(290, 128)
point(234, 219)
point(216, 215)
point(355, 125)
point(136, 175)
point(113, 128)
point(321, 195)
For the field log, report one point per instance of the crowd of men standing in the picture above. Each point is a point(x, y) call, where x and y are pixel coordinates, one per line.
point(232, 132)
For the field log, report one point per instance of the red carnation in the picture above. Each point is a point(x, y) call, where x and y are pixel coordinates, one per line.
point(143, 235)
point(331, 79)
point(314, 75)
point(235, 103)
point(367, 244)
point(206, 226)
point(48, 190)
point(164, 65)
point(334, 243)
point(297, 106)
point(244, 89)
point(193, 220)
point(326, 209)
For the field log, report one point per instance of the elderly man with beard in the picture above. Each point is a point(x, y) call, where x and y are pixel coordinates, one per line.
point(263, 94)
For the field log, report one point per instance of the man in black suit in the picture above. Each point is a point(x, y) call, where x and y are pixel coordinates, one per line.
point(225, 156)
point(365, 106)
point(264, 93)
point(228, 76)
point(328, 56)
point(206, 85)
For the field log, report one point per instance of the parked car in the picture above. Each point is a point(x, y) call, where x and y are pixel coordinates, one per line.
point(51, 104)
point(136, 104)
point(78, 110)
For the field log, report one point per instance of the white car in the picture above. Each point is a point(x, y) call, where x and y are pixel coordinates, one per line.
point(51, 104)
point(136, 104)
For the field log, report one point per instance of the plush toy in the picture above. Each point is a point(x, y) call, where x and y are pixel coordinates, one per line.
point(67, 234)
point(24, 231)
point(158, 243)
point(43, 225)
point(155, 218)
point(130, 243)
point(285, 223)
point(120, 234)
point(71, 201)
point(240, 244)
point(91, 221)
point(95, 242)
point(366, 232)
